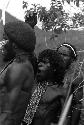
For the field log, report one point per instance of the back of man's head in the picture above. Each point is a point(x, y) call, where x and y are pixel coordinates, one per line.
point(21, 34)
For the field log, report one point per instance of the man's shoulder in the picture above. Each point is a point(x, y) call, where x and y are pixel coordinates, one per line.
point(15, 69)
point(17, 72)
point(18, 68)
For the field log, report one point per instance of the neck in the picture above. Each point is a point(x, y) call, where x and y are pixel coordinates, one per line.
point(19, 51)
point(48, 83)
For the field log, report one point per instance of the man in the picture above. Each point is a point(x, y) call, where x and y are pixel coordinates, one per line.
point(69, 55)
point(50, 75)
point(17, 78)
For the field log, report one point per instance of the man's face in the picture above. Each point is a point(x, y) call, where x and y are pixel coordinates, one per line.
point(44, 71)
point(65, 54)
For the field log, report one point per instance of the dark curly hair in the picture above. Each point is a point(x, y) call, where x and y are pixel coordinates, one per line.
point(56, 64)
point(21, 34)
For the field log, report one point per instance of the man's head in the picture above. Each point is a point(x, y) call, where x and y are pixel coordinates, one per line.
point(68, 53)
point(50, 67)
point(20, 34)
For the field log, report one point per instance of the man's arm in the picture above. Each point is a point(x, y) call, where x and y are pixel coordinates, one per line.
point(16, 77)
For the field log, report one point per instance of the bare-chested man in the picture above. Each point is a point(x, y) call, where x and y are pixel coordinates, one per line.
point(17, 80)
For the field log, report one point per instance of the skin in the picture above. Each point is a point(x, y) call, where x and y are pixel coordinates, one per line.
point(19, 78)
point(43, 70)
point(74, 120)
point(45, 73)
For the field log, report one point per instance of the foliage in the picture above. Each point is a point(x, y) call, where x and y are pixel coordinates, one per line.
point(77, 2)
point(55, 19)
point(25, 4)
point(28, 10)
point(30, 14)
point(78, 20)
point(52, 18)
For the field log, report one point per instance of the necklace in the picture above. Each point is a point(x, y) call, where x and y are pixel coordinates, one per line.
point(34, 102)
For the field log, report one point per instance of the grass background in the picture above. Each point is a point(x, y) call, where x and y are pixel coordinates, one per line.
point(75, 37)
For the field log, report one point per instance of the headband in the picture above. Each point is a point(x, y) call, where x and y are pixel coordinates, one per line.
point(70, 47)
